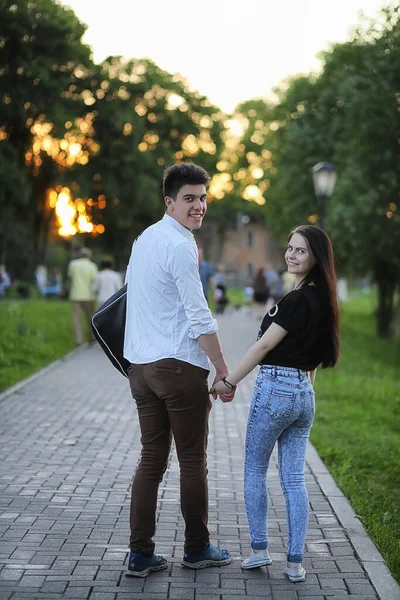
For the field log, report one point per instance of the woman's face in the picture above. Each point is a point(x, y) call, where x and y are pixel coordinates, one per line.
point(298, 256)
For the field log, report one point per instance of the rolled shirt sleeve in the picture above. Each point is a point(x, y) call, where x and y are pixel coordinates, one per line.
point(184, 269)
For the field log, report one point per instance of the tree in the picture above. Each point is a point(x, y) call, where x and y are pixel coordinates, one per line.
point(367, 151)
point(145, 119)
point(348, 115)
point(40, 61)
point(243, 166)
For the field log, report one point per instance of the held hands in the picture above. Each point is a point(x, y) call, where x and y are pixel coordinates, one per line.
point(221, 370)
point(220, 389)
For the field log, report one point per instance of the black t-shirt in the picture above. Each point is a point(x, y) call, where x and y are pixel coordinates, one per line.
point(301, 313)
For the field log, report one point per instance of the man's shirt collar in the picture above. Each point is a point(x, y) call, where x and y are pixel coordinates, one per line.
point(174, 223)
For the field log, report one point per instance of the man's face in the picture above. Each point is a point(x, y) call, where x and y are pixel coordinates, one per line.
point(189, 207)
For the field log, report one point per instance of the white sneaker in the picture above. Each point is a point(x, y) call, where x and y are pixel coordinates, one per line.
point(257, 558)
point(295, 574)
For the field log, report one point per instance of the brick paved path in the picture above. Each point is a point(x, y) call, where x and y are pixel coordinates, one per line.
point(69, 443)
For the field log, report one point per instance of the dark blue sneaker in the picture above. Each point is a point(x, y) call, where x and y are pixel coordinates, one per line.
point(141, 566)
point(210, 557)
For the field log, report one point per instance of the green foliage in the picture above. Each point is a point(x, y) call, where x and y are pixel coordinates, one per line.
point(349, 115)
point(298, 139)
point(357, 426)
point(145, 120)
point(140, 119)
point(41, 52)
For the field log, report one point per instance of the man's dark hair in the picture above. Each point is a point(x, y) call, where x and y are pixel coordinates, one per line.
point(176, 176)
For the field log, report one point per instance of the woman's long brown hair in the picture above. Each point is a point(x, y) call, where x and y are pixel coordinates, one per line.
point(324, 276)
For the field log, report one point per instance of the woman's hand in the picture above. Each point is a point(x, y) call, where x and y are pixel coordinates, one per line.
point(221, 389)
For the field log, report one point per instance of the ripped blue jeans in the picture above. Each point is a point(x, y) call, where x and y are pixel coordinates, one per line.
point(282, 410)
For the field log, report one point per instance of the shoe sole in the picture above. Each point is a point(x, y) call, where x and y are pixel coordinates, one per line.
point(146, 572)
point(203, 564)
point(255, 565)
point(298, 579)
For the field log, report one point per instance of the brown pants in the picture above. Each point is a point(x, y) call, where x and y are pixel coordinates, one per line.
point(172, 400)
point(80, 308)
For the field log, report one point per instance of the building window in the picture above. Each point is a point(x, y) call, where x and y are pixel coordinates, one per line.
point(250, 270)
point(250, 239)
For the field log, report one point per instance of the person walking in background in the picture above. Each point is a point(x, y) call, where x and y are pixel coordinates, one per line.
point(107, 282)
point(81, 274)
point(248, 291)
point(260, 287)
point(206, 275)
point(220, 292)
point(275, 286)
point(220, 298)
point(169, 334)
point(54, 284)
point(5, 281)
point(300, 332)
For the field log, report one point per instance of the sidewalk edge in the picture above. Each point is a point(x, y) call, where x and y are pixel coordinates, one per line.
point(372, 560)
point(17, 386)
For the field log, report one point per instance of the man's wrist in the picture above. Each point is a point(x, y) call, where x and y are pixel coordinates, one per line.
point(220, 367)
point(215, 360)
point(223, 372)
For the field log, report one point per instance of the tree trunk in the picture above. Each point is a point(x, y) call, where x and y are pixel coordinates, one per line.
point(40, 184)
point(386, 277)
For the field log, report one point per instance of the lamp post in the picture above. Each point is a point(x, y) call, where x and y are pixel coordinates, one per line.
point(324, 177)
point(241, 221)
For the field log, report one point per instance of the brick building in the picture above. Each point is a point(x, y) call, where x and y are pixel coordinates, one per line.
point(239, 251)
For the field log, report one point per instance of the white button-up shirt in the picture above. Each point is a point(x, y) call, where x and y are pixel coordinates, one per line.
point(166, 307)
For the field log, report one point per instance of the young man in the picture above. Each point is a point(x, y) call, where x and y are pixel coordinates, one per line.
point(169, 333)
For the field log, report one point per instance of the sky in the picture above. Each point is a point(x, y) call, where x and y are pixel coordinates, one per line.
point(229, 50)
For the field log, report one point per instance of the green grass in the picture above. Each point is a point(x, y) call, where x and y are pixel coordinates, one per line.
point(357, 426)
point(33, 334)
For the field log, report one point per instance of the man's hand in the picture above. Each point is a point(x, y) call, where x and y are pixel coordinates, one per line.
point(221, 371)
point(228, 397)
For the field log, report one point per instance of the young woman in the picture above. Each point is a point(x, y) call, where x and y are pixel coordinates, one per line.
point(300, 332)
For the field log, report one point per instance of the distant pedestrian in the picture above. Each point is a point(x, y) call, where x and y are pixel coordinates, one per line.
point(206, 274)
point(82, 273)
point(5, 281)
point(299, 333)
point(261, 291)
point(275, 286)
point(248, 291)
point(107, 282)
point(54, 284)
point(260, 287)
point(220, 298)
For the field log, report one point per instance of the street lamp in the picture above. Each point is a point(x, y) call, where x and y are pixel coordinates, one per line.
point(324, 177)
point(241, 221)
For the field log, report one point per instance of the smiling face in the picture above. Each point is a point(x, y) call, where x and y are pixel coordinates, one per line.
point(299, 257)
point(189, 207)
